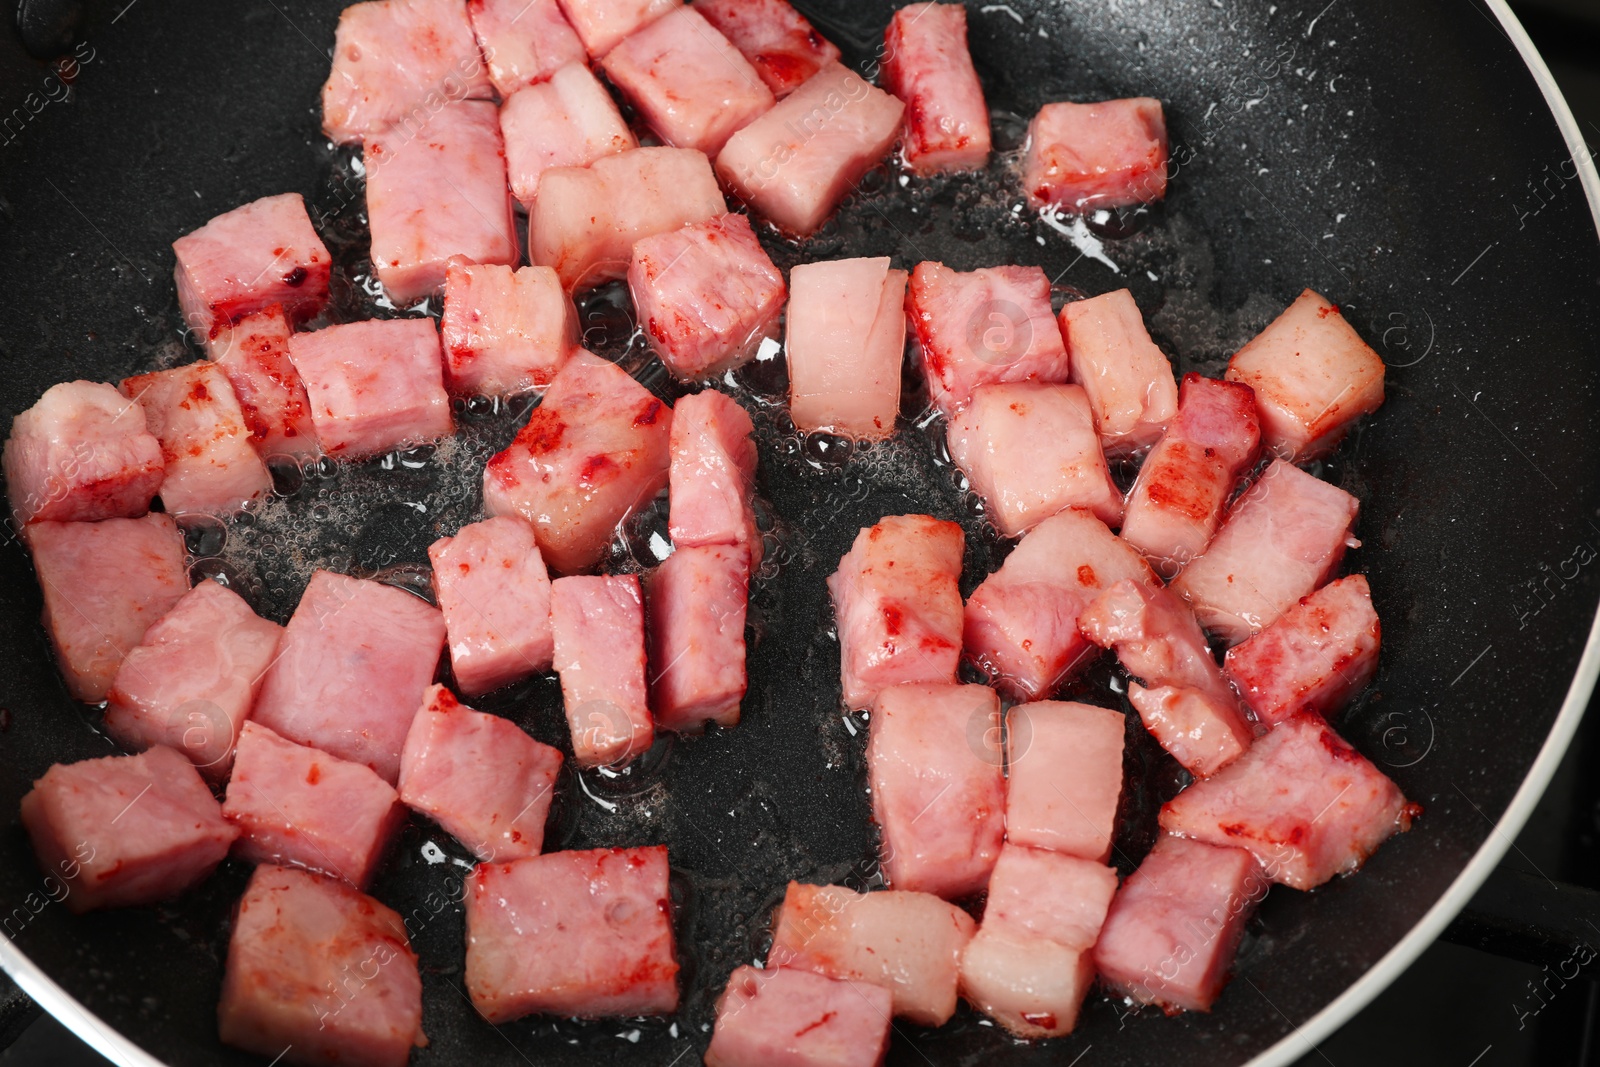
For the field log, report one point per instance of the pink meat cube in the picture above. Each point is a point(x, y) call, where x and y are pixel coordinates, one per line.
point(600, 655)
point(785, 1017)
point(568, 121)
point(125, 830)
point(1047, 894)
point(926, 63)
point(572, 933)
point(973, 328)
point(777, 40)
point(908, 943)
point(1313, 375)
point(104, 584)
point(938, 787)
point(374, 386)
point(1177, 501)
point(898, 606)
point(523, 41)
point(1030, 450)
point(247, 260)
point(1128, 379)
point(1064, 777)
point(321, 970)
point(492, 586)
point(591, 452)
point(435, 193)
point(478, 776)
point(1085, 157)
point(1279, 543)
point(602, 24)
point(193, 679)
point(696, 602)
point(707, 296)
point(351, 669)
point(712, 477)
point(211, 465)
point(1302, 800)
point(845, 340)
point(81, 453)
point(1319, 654)
point(798, 161)
point(254, 354)
point(1174, 927)
point(504, 331)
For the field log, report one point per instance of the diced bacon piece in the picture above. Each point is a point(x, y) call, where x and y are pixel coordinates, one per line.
point(523, 41)
point(435, 193)
point(1175, 925)
point(938, 787)
point(492, 586)
point(973, 328)
point(254, 354)
point(572, 933)
point(777, 40)
point(1085, 157)
point(125, 830)
point(696, 602)
point(845, 340)
point(504, 331)
point(104, 584)
point(602, 24)
point(1064, 777)
point(1319, 654)
point(1280, 542)
point(706, 296)
point(374, 386)
point(927, 64)
point(248, 259)
point(80, 454)
point(600, 655)
point(786, 1017)
point(1177, 501)
point(211, 464)
point(321, 970)
point(713, 475)
point(1030, 450)
point(1313, 375)
point(568, 121)
point(193, 679)
point(908, 943)
point(394, 61)
point(586, 220)
point(1032, 986)
point(1128, 379)
point(798, 161)
point(478, 776)
point(898, 606)
point(1047, 894)
point(592, 451)
point(1302, 800)
point(351, 669)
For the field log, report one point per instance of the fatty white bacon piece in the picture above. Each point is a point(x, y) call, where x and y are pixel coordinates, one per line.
point(712, 478)
point(603, 24)
point(504, 331)
point(1128, 379)
point(523, 41)
point(568, 121)
point(845, 341)
point(927, 64)
point(784, 48)
point(1064, 776)
point(1084, 157)
point(83, 452)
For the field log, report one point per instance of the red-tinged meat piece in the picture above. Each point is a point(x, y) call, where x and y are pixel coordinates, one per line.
point(1302, 800)
point(1128, 379)
point(696, 600)
point(1313, 375)
point(492, 586)
point(568, 121)
point(898, 606)
point(927, 64)
point(374, 386)
point(1175, 925)
point(193, 679)
point(1281, 541)
point(80, 454)
point(592, 451)
point(504, 331)
point(798, 161)
point(845, 339)
point(523, 41)
point(1049, 894)
point(787, 1017)
point(1030, 449)
point(600, 655)
point(572, 933)
point(478, 776)
point(602, 24)
point(938, 787)
point(104, 584)
point(254, 354)
point(318, 973)
point(249, 259)
point(351, 669)
point(713, 475)
point(212, 467)
point(1085, 157)
point(125, 830)
point(1318, 655)
point(707, 296)
point(1177, 501)
point(777, 40)
point(908, 943)
point(1064, 777)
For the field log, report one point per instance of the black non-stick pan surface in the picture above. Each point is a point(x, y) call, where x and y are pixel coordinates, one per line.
point(1398, 158)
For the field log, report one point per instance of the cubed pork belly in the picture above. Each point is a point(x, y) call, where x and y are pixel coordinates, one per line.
point(82, 453)
point(696, 600)
point(711, 481)
point(572, 933)
point(254, 354)
point(504, 331)
point(927, 64)
point(1049, 894)
point(494, 591)
point(798, 161)
point(1086, 157)
point(1313, 376)
point(596, 448)
point(478, 776)
point(568, 121)
point(1064, 777)
point(845, 340)
point(1128, 379)
point(600, 655)
point(788, 1017)
point(1302, 800)
point(212, 467)
point(1281, 541)
point(125, 830)
point(248, 259)
point(602, 24)
point(777, 40)
point(523, 41)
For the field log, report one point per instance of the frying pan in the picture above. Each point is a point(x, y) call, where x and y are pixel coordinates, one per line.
point(1413, 162)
